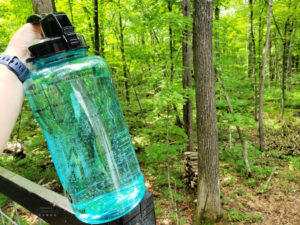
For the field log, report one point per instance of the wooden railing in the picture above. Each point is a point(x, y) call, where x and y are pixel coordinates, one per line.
point(55, 208)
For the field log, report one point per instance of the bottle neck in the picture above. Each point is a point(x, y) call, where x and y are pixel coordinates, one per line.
point(58, 58)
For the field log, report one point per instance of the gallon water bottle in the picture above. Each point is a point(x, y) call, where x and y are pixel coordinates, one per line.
point(73, 98)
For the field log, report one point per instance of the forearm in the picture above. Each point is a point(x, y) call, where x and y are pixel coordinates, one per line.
point(11, 99)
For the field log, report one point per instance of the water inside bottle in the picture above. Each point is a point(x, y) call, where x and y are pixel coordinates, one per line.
point(89, 144)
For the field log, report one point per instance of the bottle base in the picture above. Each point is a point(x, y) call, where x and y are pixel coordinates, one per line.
point(111, 206)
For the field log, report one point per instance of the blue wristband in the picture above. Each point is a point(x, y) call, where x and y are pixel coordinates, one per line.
point(15, 65)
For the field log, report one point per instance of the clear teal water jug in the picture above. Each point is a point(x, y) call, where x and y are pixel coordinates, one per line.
point(73, 98)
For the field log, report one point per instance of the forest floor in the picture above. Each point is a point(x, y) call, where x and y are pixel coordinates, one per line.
point(277, 202)
point(271, 196)
point(273, 201)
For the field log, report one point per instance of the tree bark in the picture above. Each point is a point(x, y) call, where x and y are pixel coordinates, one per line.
point(271, 68)
point(71, 9)
point(260, 39)
point(290, 56)
point(276, 65)
point(208, 197)
point(216, 33)
point(250, 58)
point(259, 61)
point(187, 76)
point(43, 6)
point(96, 27)
point(125, 71)
point(286, 43)
point(262, 81)
point(53, 6)
point(297, 60)
point(101, 30)
point(253, 58)
point(284, 68)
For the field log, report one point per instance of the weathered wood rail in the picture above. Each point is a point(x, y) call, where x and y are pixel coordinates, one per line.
point(55, 208)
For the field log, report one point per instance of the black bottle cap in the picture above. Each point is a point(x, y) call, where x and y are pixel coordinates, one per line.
point(60, 35)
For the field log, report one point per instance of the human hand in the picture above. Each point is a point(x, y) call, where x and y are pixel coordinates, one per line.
point(11, 89)
point(22, 39)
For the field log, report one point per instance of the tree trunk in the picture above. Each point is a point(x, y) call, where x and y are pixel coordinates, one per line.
point(88, 14)
point(71, 10)
point(258, 68)
point(96, 27)
point(271, 71)
point(101, 30)
point(286, 44)
point(259, 61)
point(208, 195)
point(253, 58)
point(171, 45)
point(297, 60)
point(217, 41)
point(250, 58)
point(290, 57)
point(260, 39)
point(187, 76)
point(284, 68)
point(53, 6)
point(262, 81)
point(43, 6)
point(125, 71)
point(276, 65)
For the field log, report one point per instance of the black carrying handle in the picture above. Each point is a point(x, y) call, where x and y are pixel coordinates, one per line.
point(59, 34)
point(56, 25)
point(35, 19)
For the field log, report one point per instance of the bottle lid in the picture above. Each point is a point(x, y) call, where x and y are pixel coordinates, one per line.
point(60, 36)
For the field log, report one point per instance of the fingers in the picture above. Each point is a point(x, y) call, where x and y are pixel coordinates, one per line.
point(35, 29)
point(38, 30)
point(23, 38)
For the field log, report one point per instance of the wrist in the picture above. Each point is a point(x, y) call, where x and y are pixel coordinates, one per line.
point(11, 51)
point(13, 63)
point(7, 77)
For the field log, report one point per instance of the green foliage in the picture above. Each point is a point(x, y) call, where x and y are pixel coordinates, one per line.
point(30, 167)
point(3, 199)
point(237, 216)
point(295, 162)
point(12, 16)
point(233, 196)
point(240, 192)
